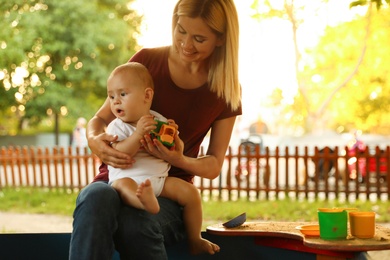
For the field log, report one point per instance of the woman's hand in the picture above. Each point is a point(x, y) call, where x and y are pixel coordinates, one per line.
point(100, 145)
point(157, 149)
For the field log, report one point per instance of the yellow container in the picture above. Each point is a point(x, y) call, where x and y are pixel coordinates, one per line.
point(362, 224)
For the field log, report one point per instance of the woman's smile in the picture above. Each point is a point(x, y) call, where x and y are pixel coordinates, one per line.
point(188, 52)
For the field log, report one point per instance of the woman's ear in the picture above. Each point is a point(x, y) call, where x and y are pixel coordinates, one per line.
point(220, 41)
point(149, 94)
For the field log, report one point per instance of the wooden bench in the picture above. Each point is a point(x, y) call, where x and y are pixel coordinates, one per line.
point(284, 235)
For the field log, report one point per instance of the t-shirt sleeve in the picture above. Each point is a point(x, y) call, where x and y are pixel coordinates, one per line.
point(228, 112)
point(118, 128)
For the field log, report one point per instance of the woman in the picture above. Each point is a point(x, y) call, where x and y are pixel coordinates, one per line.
point(196, 84)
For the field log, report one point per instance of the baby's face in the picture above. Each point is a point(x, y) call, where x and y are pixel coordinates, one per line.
point(127, 98)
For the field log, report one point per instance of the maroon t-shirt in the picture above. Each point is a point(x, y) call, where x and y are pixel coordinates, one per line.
point(193, 110)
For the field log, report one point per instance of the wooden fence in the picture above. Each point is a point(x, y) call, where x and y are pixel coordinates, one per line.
point(59, 167)
point(249, 173)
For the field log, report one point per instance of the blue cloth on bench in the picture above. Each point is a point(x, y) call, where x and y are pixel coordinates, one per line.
point(56, 246)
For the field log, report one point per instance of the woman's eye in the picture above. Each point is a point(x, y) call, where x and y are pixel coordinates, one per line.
point(180, 29)
point(199, 39)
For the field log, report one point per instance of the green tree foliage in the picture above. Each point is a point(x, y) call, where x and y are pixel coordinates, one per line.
point(349, 74)
point(378, 3)
point(55, 56)
point(342, 80)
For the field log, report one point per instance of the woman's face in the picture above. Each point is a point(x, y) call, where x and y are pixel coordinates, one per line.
point(194, 39)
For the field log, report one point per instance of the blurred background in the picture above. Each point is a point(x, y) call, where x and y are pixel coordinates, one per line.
point(307, 67)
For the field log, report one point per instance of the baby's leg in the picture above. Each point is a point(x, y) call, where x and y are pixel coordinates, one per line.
point(146, 196)
point(188, 196)
point(126, 187)
point(136, 195)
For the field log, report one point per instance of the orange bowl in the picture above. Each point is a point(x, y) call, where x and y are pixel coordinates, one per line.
point(310, 230)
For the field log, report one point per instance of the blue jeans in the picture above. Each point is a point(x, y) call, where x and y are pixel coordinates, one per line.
point(102, 223)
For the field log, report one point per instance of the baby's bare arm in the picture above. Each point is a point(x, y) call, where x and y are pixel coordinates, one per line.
point(131, 144)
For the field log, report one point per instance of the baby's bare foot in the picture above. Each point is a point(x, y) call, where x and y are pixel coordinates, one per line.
point(146, 195)
point(202, 245)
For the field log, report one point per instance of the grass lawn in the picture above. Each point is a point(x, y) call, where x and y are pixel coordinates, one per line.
point(45, 201)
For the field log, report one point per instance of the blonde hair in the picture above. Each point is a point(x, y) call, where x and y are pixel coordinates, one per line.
point(140, 70)
point(221, 16)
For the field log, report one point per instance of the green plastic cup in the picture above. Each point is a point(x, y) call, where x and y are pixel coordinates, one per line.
point(333, 224)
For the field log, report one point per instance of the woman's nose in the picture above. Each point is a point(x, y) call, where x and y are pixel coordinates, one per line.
point(187, 43)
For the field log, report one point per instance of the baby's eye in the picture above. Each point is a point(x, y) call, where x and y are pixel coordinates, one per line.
point(123, 94)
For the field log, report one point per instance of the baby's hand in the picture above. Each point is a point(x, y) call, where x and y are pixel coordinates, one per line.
point(145, 125)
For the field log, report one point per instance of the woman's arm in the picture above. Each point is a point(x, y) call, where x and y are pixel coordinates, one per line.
point(99, 141)
point(208, 166)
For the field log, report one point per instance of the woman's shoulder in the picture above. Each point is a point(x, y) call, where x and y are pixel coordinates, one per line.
point(155, 60)
point(150, 54)
point(161, 49)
